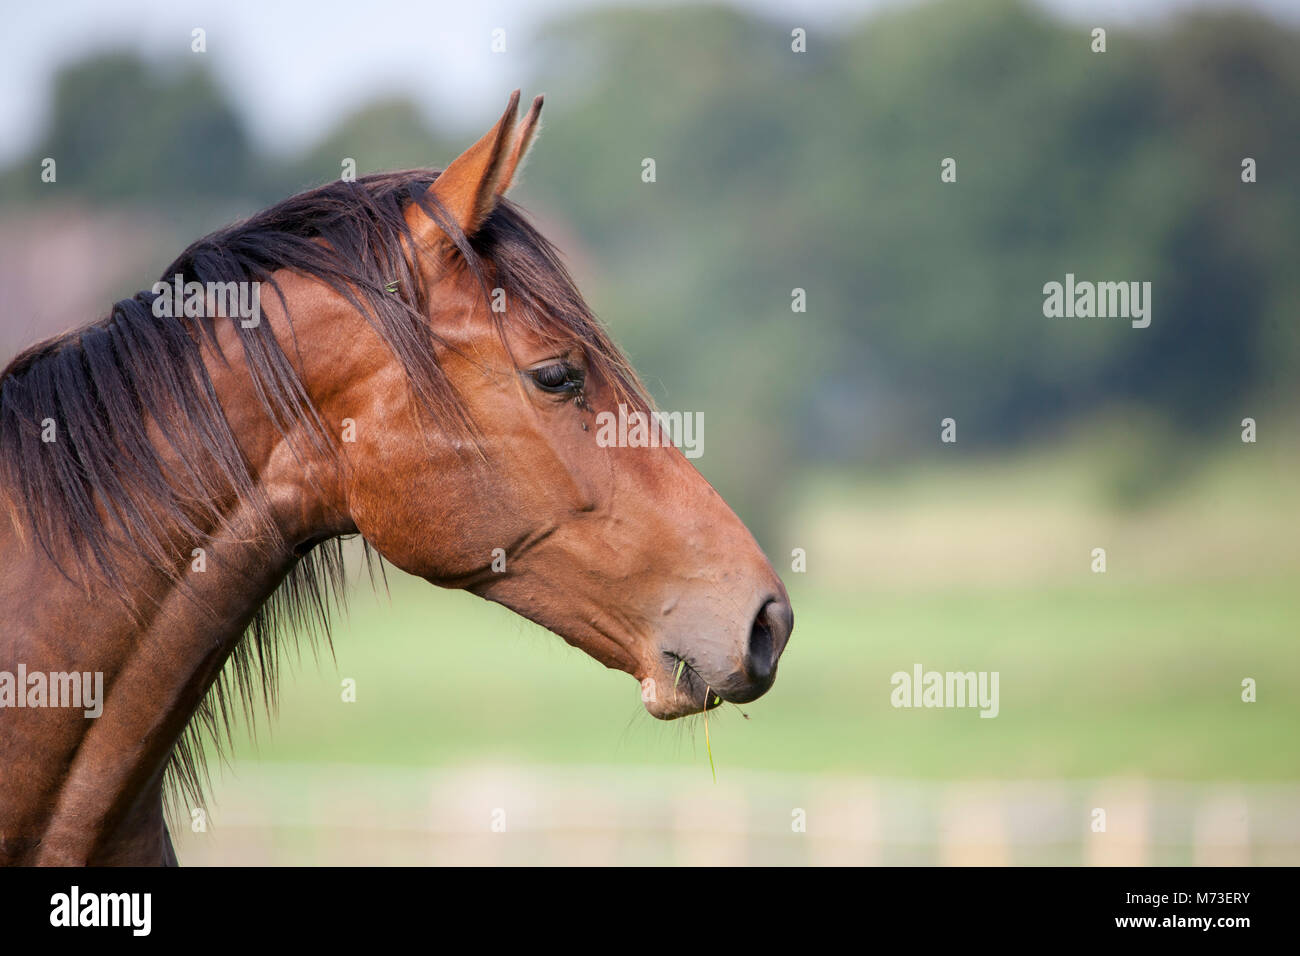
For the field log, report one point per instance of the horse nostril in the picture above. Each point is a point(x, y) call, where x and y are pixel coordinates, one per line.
point(767, 639)
point(760, 660)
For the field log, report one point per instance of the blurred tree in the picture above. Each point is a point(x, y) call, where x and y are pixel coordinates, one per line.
point(119, 129)
point(820, 171)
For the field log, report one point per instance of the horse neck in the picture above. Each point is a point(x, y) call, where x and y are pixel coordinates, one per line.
point(93, 784)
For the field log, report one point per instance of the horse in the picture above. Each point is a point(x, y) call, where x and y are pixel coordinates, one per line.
point(178, 480)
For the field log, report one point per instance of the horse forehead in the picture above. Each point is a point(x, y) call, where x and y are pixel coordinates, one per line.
point(473, 327)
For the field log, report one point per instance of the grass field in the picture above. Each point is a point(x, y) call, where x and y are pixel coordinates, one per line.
point(1119, 690)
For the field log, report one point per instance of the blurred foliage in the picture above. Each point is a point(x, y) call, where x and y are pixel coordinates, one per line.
point(820, 170)
point(120, 130)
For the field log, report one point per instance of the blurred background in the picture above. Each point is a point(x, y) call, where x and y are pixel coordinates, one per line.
point(777, 170)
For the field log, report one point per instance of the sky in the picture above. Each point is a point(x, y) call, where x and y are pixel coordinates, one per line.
point(294, 68)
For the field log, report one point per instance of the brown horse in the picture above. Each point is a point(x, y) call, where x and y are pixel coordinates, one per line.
point(422, 372)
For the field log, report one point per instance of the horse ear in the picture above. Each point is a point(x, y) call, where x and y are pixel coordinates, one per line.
point(468, 188)
point(527, 130)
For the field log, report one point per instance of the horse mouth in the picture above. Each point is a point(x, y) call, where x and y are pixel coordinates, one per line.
point(683, 692)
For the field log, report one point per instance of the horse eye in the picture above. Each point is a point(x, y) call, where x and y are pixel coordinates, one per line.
point(557, 378)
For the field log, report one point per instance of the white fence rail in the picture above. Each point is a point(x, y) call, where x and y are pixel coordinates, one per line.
point(314, 814)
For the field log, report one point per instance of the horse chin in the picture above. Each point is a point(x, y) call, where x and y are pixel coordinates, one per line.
point(678, 693)
point(679, 706)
